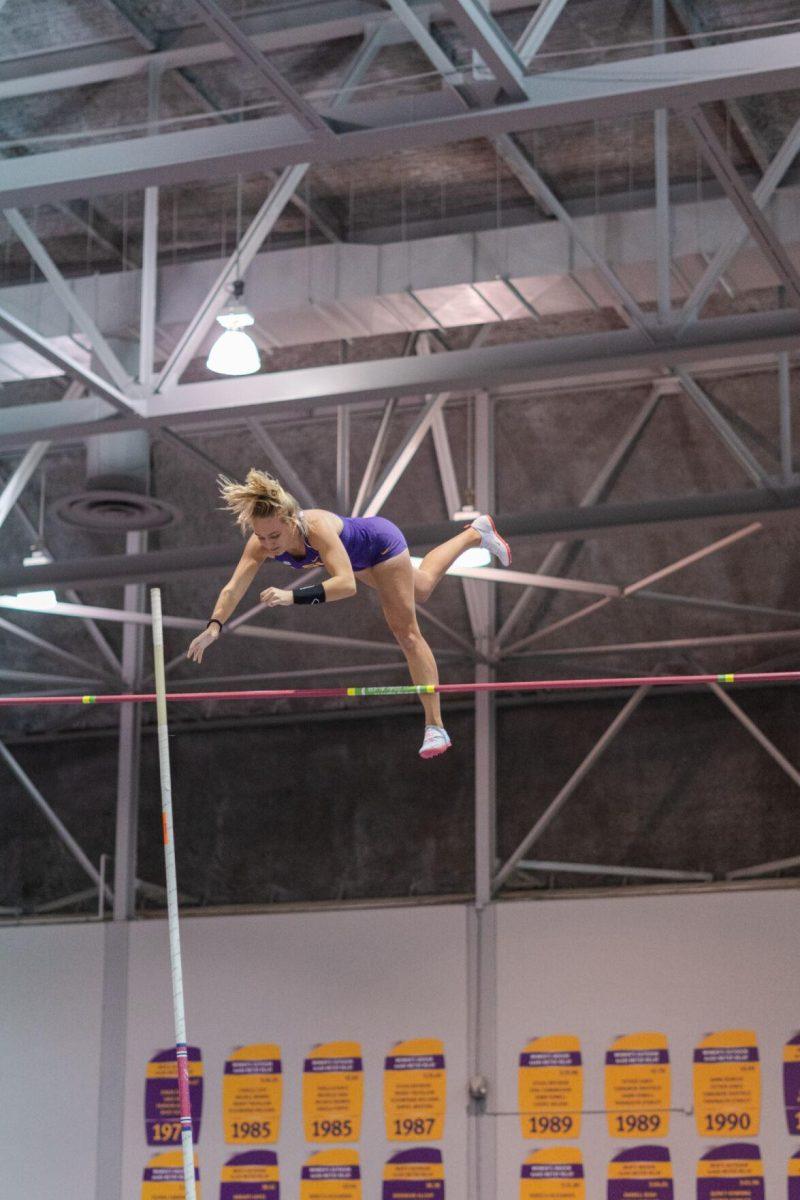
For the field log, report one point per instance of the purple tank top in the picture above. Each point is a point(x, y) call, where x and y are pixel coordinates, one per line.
point(367, 540)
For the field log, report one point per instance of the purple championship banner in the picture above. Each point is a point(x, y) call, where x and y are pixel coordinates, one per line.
point(416, 1174)
point(162, 1113)
point(643, 1173)
point(794, 1176)
point(732, 1172)
point(791, 1084)
point(252, 1175)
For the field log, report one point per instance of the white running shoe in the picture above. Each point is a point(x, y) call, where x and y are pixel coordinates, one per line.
point(436, 741)
point(491, 540)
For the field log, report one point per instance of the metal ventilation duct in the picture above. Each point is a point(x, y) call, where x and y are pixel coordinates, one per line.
point(115, 499)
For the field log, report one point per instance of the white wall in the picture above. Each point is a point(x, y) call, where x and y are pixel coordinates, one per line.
point(685, 965)
point(51, 980)
point(681, 965)
point(375, 976)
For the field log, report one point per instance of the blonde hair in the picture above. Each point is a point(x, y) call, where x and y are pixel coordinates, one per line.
point(261, 495)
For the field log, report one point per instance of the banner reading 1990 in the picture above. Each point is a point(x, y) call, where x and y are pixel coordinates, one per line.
point(331, 1175)
point(638, 1086)
point(791, 1083)
point(553, 1174)
point(414, 1091)
point(162, 1111)
point(727, 1084)
point(641, 1174)
point(794, 1177)
point(333, 1093)
point(250, 1176)
point(251, 1094)
point(550, 1087)
point(163, 1177)
point(416, 1174)
point(731, 1172)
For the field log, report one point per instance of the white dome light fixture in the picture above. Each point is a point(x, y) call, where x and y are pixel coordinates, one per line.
point(234, 352)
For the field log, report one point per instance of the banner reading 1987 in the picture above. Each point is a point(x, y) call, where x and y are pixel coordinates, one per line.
point(333, 1093)
point(163, 1177)
point(727, 1084)
point(791, 1083)
point(416, 1174)
point(550, 1087)
point(250, 1176)
point(553, 1174)
point(644, 1173)
point(331, 1175)
point(638, 1086)
point(414, 1091)
point(162, 1111)
point(251, 1094)
point(731, 1172)
point(794, 1177)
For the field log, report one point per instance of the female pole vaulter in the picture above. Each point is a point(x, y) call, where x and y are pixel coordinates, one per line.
point(370, 549)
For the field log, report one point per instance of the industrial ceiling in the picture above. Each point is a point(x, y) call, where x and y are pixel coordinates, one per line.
point(541, 258)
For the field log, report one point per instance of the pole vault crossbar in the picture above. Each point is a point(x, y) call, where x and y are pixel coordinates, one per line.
point(600, 683)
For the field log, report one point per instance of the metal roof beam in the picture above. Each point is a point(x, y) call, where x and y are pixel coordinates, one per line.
point(602, 91)
point(777, 505)
point(761, 232)
point(486, 37)
point(250, 56)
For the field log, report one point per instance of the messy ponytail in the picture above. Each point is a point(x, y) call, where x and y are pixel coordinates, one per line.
point(261, 495)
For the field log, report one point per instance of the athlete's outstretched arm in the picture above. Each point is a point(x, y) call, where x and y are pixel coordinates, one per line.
point(252, 558)
point(322, 537)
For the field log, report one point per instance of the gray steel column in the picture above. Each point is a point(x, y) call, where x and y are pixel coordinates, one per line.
point(482, 921)
point(785, 396)
point(130, 730)
point(661, 120)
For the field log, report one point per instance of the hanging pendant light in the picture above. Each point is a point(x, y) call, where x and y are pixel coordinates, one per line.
point(234, 352)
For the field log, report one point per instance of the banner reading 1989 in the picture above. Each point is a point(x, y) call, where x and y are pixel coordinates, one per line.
point(414, 1091)
point(416, 1174)
point(331, 1175)
point(162, 1111)
point(794, 1177)
point(731, 1172)
point(251, 1094)
point(163, 1177)
point(638, 1086)
point(550, 1087)
point(641, 1174)
point(553, 1174)
point(333, 1093)
point(250, 1176)
point(727, 1084)
point(791, 1083)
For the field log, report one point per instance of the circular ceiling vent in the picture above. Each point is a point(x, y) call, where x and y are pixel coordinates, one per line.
point(115, 512)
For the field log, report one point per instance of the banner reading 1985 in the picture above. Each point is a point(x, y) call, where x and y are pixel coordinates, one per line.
point(416, 1174)
point(641, 1174)
point(162, 1111)
point(414, 1091)
point(550, 1087)
point(333, 1093)
point(794, 1177)
point(727, 1084)
point(250, 1176)
point(163, 1177)
point(251, 1094)
point(638, 1086)
point(553, 1174)
point(791, 1083)
point(731, 1172)
point(331, 1175)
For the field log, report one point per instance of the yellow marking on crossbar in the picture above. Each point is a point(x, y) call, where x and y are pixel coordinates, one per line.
point(88, 699)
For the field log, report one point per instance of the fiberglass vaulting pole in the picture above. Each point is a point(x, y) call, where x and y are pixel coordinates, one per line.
point(181, 1051)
